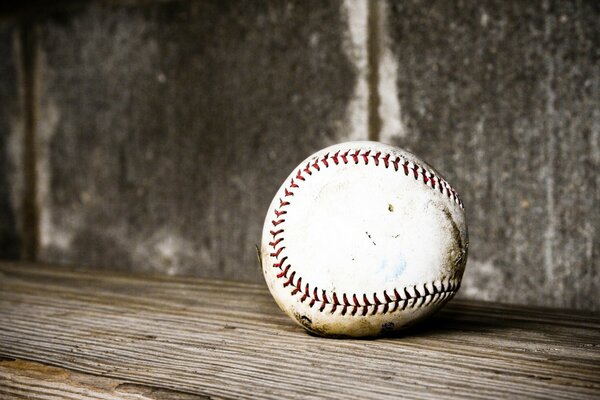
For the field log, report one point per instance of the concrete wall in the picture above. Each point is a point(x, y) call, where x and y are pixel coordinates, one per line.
point(151, 135)
point(12, 138)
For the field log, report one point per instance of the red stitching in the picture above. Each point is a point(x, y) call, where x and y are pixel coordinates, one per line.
point(284, 272)
point(276, 254)
point(366, 156)
point(429, 295)
point(298, 284)
point(386, 160)
point(276, 242)
point(415, 169)
point(307, 169)
point(335, 299)
point(306, 294)
point(322, 306)
point(365, 300)
point(335, 157)
point(316, 165)
point(277, 232)
point(364, 311)
point(290, 279)
point(280, 263)
point(375, 299)
point(376, 158)
point(345, 157)
point(386, 297)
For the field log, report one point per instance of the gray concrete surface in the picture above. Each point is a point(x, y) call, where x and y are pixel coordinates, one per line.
point(503, 97)
point(11, 138)
point(163, 128)
point(166, 128)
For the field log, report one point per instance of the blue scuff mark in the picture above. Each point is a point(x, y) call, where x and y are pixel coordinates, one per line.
point(393, 266)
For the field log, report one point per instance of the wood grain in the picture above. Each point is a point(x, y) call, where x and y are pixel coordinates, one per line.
point(229, 340)
point(25, 380)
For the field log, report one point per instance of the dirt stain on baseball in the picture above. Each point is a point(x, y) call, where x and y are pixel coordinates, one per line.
point(457, 255)
point(318, 330)
point(387, 327)
point(304, 321)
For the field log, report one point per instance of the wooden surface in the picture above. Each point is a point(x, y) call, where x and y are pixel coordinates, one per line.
point(25, 380)
point(66, 334)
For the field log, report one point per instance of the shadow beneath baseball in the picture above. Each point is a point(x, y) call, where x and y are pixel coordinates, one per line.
point(463, 318)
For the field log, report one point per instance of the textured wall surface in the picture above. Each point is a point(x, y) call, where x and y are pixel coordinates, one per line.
point(166, 128)
point(11, 139)
point(504, 98)
point(163, 128)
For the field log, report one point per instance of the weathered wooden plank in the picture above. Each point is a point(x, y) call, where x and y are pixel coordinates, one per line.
point(26, 380)
point(229, 340)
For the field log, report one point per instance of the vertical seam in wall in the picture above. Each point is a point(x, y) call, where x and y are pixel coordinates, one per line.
point(30, 207)
point(374, 49)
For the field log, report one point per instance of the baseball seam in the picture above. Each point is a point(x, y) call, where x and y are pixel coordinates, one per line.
point(407, 297)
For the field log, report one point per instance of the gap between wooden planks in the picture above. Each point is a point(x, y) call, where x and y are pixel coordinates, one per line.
point(217, 339)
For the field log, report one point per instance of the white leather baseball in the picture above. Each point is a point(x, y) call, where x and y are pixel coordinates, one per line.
point(363, 238)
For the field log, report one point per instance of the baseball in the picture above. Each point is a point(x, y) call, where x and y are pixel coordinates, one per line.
point(363, 239)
